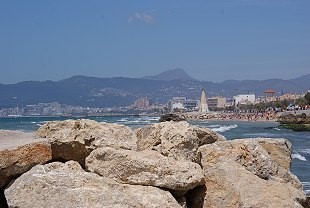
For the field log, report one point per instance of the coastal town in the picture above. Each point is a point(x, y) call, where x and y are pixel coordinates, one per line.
point(271, 103)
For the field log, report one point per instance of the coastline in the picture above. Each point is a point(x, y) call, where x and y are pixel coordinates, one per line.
point(269, 117)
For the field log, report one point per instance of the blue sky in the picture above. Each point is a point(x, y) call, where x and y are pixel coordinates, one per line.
point(212, 40)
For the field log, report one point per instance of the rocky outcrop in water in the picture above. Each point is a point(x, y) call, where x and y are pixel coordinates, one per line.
point(295, 122)
point(171, 117)
point(178, 140)
point(169, 164)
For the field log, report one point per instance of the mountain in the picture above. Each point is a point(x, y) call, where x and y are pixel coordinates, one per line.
point(169, 75)
point(302, 81)
point(122, 91)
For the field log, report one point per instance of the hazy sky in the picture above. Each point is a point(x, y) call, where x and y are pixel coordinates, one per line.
point(212, 40)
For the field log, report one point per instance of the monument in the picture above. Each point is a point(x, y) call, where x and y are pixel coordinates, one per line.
point(203, 105)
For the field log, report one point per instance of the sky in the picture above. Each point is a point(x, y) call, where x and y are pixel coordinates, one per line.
point(212, 40)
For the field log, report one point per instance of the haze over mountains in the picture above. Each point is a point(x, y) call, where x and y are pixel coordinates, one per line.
point(122, 91)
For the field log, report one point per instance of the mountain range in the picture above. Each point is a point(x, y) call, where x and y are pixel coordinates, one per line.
point(122, 91)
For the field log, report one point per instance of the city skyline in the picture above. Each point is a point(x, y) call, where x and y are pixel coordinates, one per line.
point(211, 40)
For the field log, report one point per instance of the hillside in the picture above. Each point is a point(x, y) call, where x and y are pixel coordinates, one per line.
point(121, 91)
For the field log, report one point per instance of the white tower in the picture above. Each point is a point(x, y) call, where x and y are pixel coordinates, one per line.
point(203, 106)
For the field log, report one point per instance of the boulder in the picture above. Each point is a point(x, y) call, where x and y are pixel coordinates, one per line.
point(68, 185)
point(294, 119)
point(280, 150)
point(171, 117)
point(146, 167)
point(241, 173)
point(178, 140)
point(75, 139)
point(17, 160)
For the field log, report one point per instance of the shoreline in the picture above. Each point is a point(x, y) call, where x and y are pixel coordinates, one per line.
point(269, 117)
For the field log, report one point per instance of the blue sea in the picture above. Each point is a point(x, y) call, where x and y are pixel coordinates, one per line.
point(230, 129)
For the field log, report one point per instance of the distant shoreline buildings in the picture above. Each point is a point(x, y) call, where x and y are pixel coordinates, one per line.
point(144, 105)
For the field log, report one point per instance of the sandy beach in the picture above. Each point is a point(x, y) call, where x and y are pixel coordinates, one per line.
point(11, 139)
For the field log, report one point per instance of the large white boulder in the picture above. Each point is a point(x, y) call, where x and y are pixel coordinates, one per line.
point(241, 173)
point(75, 139)
point(57, 185)
point(178, 140)
point(146, 167)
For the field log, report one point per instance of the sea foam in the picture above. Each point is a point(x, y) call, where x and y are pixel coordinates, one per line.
point(298, 156)
point(225, 128)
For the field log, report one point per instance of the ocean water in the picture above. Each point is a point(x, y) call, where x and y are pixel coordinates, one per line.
point(230, 129)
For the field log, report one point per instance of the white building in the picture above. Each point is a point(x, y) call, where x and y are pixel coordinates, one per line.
point(244, 99)
point(182, 103)
point(203, 105)
point(216, 102)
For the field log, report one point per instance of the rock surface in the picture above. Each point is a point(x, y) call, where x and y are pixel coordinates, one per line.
point(178, 140)
point(294, 119)
point(68, 185)
point(280, 150)
point(75, 139)
point(299, 122)
point(241, 173)
point(171, 117)
point(147, 167)
point(15, 161)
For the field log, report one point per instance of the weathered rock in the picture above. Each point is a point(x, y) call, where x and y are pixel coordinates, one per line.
point(147, 167)
point(294, 119)
point(299, 122)
point(241, 173)
point(171, 117)
point(75, 139)
point(178, 140)
point(15, 161)
point(68, 185)
point(280, 150)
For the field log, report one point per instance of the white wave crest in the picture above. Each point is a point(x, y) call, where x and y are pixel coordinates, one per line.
point(298, 156)
point(154, 118)
point(214, 126)
point(122, 120)
point(305, 151)
point(225, 128)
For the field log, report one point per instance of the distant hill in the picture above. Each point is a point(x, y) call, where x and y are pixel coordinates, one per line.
point(173, 74)
point(122, 91)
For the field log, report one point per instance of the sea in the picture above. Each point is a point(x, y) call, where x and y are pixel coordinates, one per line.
point(230, 129)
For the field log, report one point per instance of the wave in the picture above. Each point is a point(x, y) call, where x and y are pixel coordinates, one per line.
point(305, 151)
point(225, 128)
point(214, 126)
point(298, 156)
point(122, 120)
point(154, 118)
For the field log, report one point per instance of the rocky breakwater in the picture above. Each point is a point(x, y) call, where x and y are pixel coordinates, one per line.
point(169, 164)
point(300, 122)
